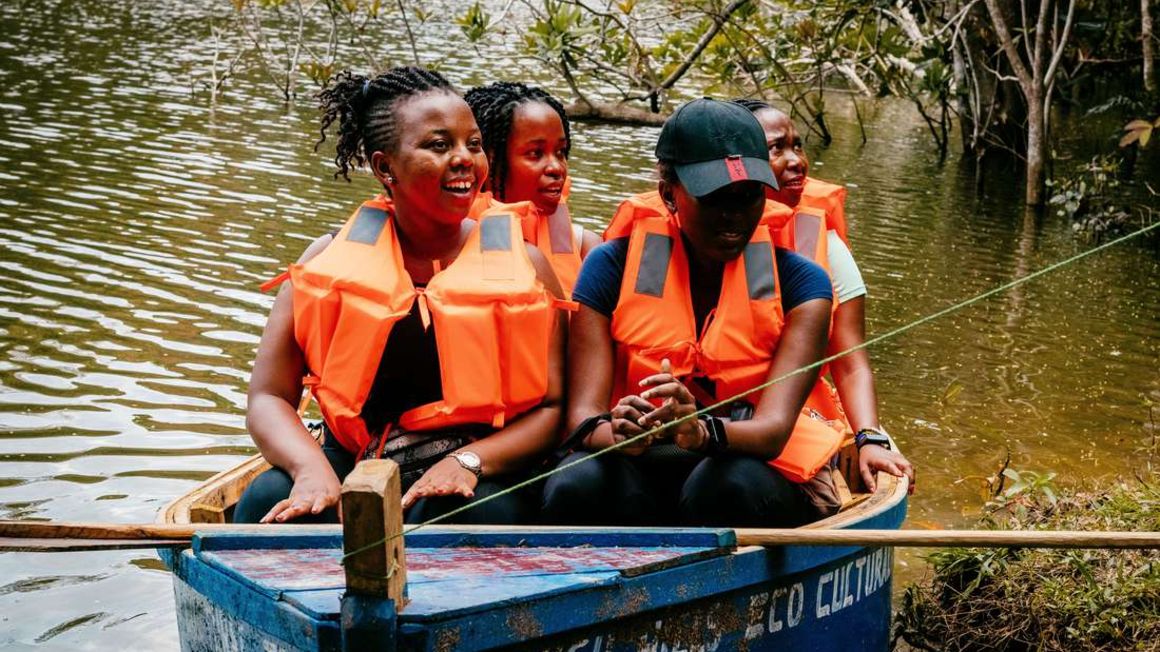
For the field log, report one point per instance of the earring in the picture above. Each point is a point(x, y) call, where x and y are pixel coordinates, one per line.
point(391, 179)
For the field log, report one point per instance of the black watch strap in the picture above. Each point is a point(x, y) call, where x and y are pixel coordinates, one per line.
point(577, 436)
point(871, 436)
point(717, 441)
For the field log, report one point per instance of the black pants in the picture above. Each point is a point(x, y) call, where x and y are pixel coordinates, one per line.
point(274, 485)
point(616, 489)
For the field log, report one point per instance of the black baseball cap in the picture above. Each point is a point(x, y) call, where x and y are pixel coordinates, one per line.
point(713, 144)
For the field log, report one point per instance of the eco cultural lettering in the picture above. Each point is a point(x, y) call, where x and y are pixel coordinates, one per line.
point(784, 607)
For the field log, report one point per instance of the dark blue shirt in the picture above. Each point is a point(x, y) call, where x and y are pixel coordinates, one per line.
point(598, 285)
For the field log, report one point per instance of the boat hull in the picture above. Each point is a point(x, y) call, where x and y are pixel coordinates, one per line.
point(843, 603)
point(566, 589)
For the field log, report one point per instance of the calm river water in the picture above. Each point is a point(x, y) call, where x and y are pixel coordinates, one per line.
point(138, 222)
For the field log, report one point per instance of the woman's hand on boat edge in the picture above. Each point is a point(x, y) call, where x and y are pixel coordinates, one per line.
point(314, 491)
point(446, 478)
point(872, 459)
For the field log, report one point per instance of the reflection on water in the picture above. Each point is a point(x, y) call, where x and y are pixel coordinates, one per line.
point(138, 222)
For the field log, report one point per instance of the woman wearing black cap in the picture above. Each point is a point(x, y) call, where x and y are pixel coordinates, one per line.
point(688, 304)
point(852, 374)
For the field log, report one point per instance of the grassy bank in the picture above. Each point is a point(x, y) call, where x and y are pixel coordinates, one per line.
point(1021, 599)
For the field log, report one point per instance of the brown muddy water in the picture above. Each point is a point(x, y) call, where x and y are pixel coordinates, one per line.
point(137, 222)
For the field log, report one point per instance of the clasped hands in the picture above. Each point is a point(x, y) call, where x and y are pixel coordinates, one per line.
point(634, 415)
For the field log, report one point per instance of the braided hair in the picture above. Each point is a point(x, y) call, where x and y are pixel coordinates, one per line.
point(364, 108)
point(494, 106)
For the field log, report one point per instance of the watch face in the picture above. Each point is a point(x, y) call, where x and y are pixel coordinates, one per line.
point(469, 461)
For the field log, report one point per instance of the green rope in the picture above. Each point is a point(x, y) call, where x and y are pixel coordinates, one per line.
point(810, 367)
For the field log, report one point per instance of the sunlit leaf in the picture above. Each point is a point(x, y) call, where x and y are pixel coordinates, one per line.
point(1129, 138)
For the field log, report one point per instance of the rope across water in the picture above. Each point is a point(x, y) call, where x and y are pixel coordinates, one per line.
point(874, 340)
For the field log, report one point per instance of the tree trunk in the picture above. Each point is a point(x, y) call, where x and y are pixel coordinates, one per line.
point(962, 91)
point(1036, 148)
point(1146, 39)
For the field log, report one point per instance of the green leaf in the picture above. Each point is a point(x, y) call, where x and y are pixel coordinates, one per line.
point(474, 23)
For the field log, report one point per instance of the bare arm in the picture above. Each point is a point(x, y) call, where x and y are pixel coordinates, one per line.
point(852, 373)
point(590, 242)
point(855, 383)
point(272, 416)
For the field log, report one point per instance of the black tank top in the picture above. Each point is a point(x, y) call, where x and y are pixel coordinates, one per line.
point(408, 374)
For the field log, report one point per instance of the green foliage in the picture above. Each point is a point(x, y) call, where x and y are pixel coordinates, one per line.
point(559, 33)
point(317, 71)
point(474, 23)
point(1011, 600)
point(1089, 196)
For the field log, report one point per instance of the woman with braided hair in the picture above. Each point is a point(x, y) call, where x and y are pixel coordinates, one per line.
point(528, 140)
point(396, 321)
point(817, 229)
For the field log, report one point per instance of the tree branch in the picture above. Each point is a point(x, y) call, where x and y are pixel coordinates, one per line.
point(1058, 55)
point(410, 35)
point(1041, 40)
point(1004, 34)
point(719, 21)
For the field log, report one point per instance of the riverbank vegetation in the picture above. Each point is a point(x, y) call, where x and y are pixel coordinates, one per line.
point(1016, 600)
point(1000, 70)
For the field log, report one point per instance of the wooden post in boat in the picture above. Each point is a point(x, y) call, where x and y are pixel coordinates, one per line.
point(376, 569)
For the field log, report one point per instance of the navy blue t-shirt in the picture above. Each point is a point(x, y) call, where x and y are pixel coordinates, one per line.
point(598, 285)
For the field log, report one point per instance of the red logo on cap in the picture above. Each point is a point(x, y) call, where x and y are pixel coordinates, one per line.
point(736, 167)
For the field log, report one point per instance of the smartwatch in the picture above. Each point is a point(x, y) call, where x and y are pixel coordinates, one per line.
point(716, 442)
point(872, 436)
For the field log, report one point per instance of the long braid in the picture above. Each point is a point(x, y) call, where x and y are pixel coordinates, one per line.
point(364, 108)
point(494, 106)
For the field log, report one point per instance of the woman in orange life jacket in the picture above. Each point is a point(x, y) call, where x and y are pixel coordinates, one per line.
point(697, 261)
point(853, 377)
point(386, 272)
point(528, 140)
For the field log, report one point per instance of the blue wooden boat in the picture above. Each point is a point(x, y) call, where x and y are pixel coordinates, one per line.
point(478, 588)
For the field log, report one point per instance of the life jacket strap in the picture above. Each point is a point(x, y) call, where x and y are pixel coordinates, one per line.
point(275, 282)
point(565, 304)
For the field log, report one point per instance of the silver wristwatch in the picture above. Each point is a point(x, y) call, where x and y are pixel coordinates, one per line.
point(469, 461)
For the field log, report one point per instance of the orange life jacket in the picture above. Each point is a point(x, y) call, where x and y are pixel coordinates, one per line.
point(804, 229)
point(554, 235)
point(654, 320)
point(493, 321)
